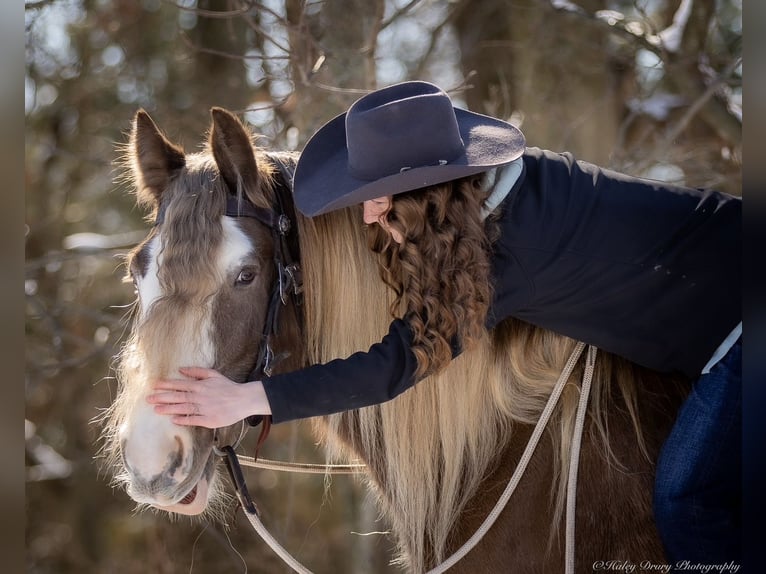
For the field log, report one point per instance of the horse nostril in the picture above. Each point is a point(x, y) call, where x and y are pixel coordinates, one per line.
point(177, 458)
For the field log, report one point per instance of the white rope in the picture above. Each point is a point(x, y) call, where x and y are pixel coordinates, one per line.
point(574, 459)
point(520, 468)
point(275, 546)
point(302, 467)
point(504, 498)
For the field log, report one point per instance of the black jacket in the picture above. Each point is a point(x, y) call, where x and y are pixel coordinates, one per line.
point(642, 269)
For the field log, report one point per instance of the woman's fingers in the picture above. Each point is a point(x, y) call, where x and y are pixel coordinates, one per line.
point(192, 421)
point(207, 398)
point(181, 385)
point(184, 413)
point(196, 374)
point(188, 409)
point(188, 402)
point(168, 397)
point(199, 372)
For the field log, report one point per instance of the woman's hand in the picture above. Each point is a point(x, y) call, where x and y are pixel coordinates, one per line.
point(208, 400)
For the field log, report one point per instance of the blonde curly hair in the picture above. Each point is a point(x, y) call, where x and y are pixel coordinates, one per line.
point(441, 270)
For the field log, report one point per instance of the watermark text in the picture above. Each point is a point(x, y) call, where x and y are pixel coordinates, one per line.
point(630, 567)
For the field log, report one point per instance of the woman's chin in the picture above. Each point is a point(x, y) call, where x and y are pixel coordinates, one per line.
point(194, 503)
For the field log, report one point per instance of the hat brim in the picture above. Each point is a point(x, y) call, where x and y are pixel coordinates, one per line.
point(322, 181)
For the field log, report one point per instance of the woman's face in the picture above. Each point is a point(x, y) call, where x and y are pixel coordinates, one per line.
point(376, 211)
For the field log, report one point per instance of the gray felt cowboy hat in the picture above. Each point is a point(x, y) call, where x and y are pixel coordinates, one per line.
point(397, 139)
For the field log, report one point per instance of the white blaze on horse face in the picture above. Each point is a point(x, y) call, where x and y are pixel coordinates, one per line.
point(160, 455)
point(148, 286)
point(235, 247)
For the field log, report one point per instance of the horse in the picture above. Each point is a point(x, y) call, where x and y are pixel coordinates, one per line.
point(439, 455)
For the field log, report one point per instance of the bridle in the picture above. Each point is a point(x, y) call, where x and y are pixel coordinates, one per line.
point(289, 285)
point(286, 260)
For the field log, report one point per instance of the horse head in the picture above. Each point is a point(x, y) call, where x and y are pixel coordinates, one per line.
point(202, 278)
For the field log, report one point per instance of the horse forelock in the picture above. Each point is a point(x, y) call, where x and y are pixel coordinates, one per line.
point(191, 229)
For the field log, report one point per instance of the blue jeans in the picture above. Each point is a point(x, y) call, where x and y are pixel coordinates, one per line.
point(698, 485)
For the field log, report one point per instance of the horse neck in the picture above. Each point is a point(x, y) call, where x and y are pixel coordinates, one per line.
point(444, 432)
point(429, 449)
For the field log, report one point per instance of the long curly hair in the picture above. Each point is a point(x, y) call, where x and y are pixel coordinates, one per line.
point(441, 270)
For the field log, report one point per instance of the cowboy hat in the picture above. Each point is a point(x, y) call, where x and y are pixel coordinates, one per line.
point(397, 139)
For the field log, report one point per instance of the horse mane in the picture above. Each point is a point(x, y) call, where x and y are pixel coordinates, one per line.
point(430, 448)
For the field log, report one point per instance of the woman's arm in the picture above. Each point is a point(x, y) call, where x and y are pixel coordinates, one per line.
point(211, 400)
point(365, 378)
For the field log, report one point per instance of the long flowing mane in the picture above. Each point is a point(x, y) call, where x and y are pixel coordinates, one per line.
point(434, 445)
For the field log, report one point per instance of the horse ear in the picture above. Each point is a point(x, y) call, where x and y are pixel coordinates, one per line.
point(233, 152)
point(154, 158)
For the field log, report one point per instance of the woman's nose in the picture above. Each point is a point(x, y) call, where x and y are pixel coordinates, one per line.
point(370, 213)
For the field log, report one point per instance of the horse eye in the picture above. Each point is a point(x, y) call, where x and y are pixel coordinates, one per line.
point(246, 276)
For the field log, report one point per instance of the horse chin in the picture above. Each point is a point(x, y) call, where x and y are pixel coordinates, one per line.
point(194, 503)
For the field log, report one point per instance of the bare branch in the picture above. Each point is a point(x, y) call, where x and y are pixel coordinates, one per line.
point(37, 4)
point(400, 12)
point(337, 90)
point(219, 14)
point(434, 36)
point(683, 71)
point(632, 31)
point(697, 106)
point(228, 55)
point(62, 256)
point(259, 29)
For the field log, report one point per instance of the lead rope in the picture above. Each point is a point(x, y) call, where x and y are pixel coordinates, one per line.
point(301, 467)
point(252, 514)
point(251, 511)
point(286, 557)
point(542, 422)
point(574, 458)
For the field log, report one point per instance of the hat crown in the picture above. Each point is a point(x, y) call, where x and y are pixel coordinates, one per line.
point(401, 127)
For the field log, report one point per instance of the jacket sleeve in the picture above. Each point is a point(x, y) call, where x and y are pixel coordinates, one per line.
point(365, 378)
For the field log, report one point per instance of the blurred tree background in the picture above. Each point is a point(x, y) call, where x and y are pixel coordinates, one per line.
point(649, 87)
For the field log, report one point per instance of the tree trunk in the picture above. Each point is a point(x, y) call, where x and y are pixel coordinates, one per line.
point(544, 67)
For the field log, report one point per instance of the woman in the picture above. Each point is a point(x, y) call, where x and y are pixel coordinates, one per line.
point(472, 228)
